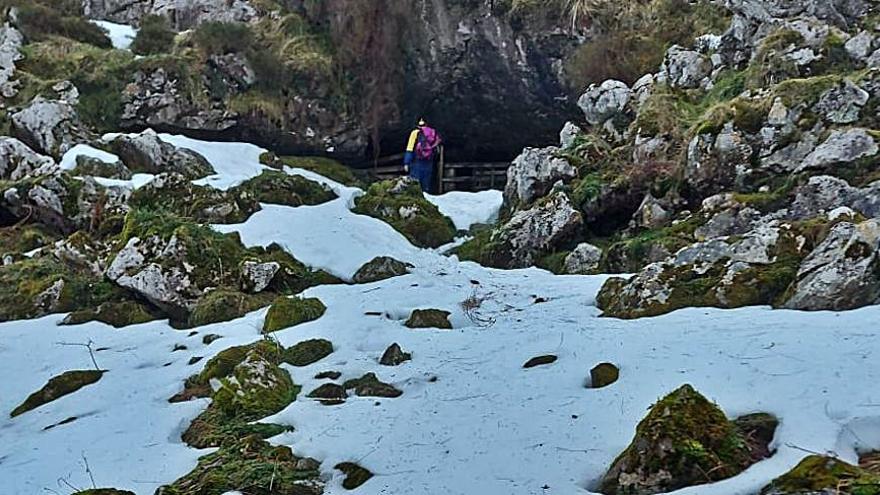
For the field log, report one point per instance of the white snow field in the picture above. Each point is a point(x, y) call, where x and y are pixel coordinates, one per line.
point(471, 420)
point(121, 35)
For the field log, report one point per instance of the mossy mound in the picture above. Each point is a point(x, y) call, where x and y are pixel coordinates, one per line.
point(253, 463)
point(684, 441)
point(287, 312)
point(401, 204)
point(39, 286)
point(818, 474)
point(325, 167)
point(176, 193)
point(329, 394)
point(117, 314)
point(308, 352)
point(355, 475)
point(380, 268)
point(15, 241)
point(226, 305)
point(429, 318)
point(57, 387)
point(250, 385)
point(284, 189)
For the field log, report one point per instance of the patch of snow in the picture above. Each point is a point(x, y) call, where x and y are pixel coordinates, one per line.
point(121, 35)
point(137, 181)
point(68, 161)
point(485, 425)
point(467, 209)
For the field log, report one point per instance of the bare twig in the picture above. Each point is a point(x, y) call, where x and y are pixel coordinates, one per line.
point(88, 346)
point(89, 470)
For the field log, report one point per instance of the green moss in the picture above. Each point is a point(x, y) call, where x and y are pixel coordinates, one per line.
point(178, 196)
point(482, 248)
point(284, 189)
point(429, 318)
point(554, 262)
point(57, 387)
point(25, 238)
point(684, 436)
point(117, 314)
point(40, 19)
point(249, 463)
point(287, 312)
point(226, 305)
point(405, 208)
point(308, 352)
point(816, 474)
point(326, 167)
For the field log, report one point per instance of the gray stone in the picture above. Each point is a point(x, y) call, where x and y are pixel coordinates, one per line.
point(568, 135)
point(652, 213)
point(394, 356)
point(533, 174)
point(685, 69)
point(380, 268)
point(823, 194)
point(604, 101)
point(51, 127)
point(256, 277)
point(18, 161)
point(539, 230)
point(860, 46)
point(146, 153)
point(843, 272)
point(583, 260)
point(843, 103)
point(11, 41)
point(841, 147)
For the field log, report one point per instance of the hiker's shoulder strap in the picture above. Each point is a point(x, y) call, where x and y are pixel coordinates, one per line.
point(413, 139)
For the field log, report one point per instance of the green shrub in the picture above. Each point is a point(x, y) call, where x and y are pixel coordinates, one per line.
point(220, 38)
point(155, 36)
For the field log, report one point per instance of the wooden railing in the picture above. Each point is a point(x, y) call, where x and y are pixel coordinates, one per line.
point(455, 176)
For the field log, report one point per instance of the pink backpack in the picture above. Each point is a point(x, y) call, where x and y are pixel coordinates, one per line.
point(427, 143)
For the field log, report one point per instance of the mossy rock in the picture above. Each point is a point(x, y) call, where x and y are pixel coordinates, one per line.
point(369, 385)
point(205, 204)
point(540, 361)
point(429, 318)
point(93, 167)
point(326, 167)
point(355, 475)
point(284, 189)
point(287, 312)
point(394, 356)
point(225, 305)
point(104, 491)
point(16, 241)
point(380, 268)
point(253, 463)
point(57, 387)
point(308, 352)
point(117, 314)
point(213, 428)
point(603, 374)
point(818, 474)
point(684, 441)
point(329, 394)
point(401, 204)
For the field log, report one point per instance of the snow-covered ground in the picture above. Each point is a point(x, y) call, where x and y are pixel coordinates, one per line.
point(471, 419)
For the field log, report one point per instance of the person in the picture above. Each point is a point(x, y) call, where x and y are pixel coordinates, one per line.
point(421, 150)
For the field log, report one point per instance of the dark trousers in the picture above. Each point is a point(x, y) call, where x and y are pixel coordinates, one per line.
point(423, 171)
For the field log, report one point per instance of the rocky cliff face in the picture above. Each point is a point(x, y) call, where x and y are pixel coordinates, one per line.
point(488, 78)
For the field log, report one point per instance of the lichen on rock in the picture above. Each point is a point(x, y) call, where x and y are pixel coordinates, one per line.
point(429, 318)
point(287, 312)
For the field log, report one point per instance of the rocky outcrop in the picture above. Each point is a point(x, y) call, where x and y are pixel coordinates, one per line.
point(183, 14)
point(380, 268)
point(49, 126)
point(533, 174)
point(147, 153)
point(583, 260)
point(602, 102)
point(11, 41)
point(843, 272)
